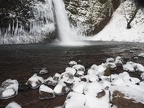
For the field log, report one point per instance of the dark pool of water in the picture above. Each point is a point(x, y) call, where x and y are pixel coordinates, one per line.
point(22, 61)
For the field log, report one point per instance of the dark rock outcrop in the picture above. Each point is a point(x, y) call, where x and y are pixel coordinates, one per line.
point(90, 17)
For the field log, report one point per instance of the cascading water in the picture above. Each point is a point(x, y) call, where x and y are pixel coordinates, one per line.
point(65, 33)
point(45, 14)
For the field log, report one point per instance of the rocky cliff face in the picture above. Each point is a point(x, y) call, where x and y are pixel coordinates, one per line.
point(25, 21)
point(90, 16)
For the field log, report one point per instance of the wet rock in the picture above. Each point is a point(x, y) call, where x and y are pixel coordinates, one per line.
point(23, 87)
point(101, 94)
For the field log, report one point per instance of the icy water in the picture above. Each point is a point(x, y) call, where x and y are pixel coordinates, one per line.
point(22, 61)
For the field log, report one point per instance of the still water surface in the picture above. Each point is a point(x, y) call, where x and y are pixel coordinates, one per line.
point(22, 61)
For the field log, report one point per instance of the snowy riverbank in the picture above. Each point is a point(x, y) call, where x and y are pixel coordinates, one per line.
point(116, 30)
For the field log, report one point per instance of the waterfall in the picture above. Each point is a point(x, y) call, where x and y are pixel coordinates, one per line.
point(39, 21)
point(63, 27)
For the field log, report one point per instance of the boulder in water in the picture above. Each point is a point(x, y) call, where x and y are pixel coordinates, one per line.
point(46, 92)
point(35, 81)
point(13, 105)
point(8, 89)
point(43, 71)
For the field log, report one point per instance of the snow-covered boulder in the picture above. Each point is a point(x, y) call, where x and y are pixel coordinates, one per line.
point(79, 87)
point(9, 89)
point(56, 77)
point(79, 67)
point(61, 89)
point(72, 63)
point(142, 76)
point(118, 61)
point(128, 67)
point(43, 71)
point(110, 60)
point(67, 77)
point(94, 89)
point(35, 81)
point(46, 92)
point(50, 81)
point(141, 55)
point(70, 70)
point(90, 78)
point(13, 105)
point(75, 100)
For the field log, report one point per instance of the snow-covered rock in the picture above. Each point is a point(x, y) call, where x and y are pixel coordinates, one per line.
point(131, 67)
point(67, 77)
point(46, 92)
point(75, 100)
point(110, 60)
point(9, 89)
point(61, 89)
point(111, 66)
point(70, 70)
point(79, 67)
point(43, 71)
point(79, 73)
point(141, 55)
point(72, 63)
point(90, 78)
point(128, 67)
point(118, 61)
point(35, 81)
point(13, 105)
point(142, 76)
point(50, 81)
point(56, 77)
point(79, 87)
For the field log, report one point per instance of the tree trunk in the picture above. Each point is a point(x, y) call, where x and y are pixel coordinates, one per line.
point(132, 18)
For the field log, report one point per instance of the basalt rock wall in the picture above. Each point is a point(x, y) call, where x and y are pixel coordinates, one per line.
point(90, 16)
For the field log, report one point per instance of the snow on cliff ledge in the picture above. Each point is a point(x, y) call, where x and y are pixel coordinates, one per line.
point(116, 29)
